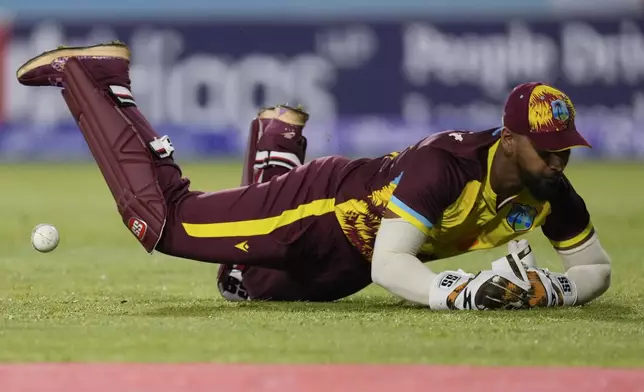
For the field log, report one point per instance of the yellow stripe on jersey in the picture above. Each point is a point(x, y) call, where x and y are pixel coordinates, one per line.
point(574, 241)
point(262, 226)
point(457, 212)
point(407, 213)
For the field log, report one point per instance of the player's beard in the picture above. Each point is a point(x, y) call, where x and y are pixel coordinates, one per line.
point(542, 188)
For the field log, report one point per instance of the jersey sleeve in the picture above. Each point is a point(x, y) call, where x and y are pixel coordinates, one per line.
point(568, 224)
point(430, 181)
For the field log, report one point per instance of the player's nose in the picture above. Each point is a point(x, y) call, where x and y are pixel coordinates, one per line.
point(557, 162)
point(557, 167)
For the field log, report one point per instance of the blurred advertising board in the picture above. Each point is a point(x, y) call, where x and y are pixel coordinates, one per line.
point(371, 87)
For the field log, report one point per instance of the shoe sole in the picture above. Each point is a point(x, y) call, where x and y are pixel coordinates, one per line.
point(101, 50)
point(291, 116)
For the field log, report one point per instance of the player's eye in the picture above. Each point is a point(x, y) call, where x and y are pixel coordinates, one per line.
point(545, 155)
point(555, 158)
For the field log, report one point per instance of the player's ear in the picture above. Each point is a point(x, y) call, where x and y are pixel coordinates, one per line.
point(508, 142)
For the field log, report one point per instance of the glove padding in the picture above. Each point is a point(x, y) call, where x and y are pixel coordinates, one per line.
point(510, 284)
point(547, 288)
point(524, 251)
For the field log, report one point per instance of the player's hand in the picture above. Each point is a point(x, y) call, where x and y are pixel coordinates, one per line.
point(546, 288)
point(549, 289)
point(505, 286)
point(508, 285)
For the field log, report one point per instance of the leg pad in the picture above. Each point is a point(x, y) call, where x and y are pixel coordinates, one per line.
point(125, 160)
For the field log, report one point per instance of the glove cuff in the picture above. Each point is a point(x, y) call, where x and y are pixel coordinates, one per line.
point(445, 288)
point(560, 290)
point(567, 287)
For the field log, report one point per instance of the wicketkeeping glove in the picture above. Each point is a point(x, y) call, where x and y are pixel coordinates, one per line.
point(547, 288)
point(510, 284)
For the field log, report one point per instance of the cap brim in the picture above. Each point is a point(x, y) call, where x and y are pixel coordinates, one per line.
point(558, 141)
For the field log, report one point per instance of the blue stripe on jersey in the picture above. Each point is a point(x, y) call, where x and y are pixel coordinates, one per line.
point(397, 179)
point(397, 202)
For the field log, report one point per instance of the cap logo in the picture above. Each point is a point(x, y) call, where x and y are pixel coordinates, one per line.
point(549, 110)
point(559, 110)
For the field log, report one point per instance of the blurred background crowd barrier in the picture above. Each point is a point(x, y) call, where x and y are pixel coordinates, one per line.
point(376, 75)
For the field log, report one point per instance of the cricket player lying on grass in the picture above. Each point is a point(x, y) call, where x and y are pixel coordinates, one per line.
point(326, 229)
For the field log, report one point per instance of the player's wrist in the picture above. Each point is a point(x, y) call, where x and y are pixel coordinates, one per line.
point(551, 289)
point(445, 290)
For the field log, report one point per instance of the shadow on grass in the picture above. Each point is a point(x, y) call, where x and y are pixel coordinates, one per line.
point(189, 307)
point(207, 308)
point(600, 312)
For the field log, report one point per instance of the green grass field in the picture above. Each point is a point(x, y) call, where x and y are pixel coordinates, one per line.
point(100, 297)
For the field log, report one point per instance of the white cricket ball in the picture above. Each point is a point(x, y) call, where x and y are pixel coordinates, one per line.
point(45, 238)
